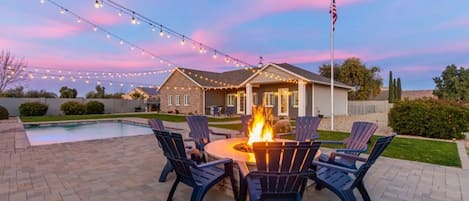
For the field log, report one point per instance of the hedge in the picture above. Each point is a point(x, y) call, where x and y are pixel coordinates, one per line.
point(3, 113)
point(33, 109)
point(73, 108)
point(429, 118)
point(94, 107)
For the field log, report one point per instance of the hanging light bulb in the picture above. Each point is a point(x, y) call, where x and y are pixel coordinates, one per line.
point(62, 11)
point(153, 28)
point(108, 36)
point(119, 13)
point(214, 54)
point(161, 31)
point(95, 28)
point(121, 42)
point(168, 36)
point(133, 20)
point(97, 4)
point(79, 20)
point(182, 40)
point(42, 1)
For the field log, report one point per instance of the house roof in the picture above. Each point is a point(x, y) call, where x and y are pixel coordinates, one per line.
point(235, 77)
point(312, 77)
point(241, 76)
point(149, 91)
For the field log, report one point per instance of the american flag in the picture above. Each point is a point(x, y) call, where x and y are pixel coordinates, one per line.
point(333, 12)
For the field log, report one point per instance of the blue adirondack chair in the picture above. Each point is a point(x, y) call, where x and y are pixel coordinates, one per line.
point(216, 111)
point(157, 124)
point(200, 177)
point(245, 118)
point(355, 144)
point(229, 111)
point(200, 132)
point(306, 128)
point(282, 170)
point(342, 180)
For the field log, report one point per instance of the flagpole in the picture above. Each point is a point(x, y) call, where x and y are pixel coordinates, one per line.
point(332, 66)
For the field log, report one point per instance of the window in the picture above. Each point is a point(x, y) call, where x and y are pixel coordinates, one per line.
point(269, 99)
point(177, 100)
point(186, 100)
point(170, 100)
point(254, 99)
point(295, 98)
point(231, 99)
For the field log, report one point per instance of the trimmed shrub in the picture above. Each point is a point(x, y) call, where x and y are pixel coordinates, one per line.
point(33, 109)
point(73, 108)
point(94, 107)
point(429, 118)
point(3, 113)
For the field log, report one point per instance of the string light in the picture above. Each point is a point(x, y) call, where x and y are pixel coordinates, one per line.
point(133, 20)
point(42, 1)
point(97, 4)
point(122, 41)
point(182, 41)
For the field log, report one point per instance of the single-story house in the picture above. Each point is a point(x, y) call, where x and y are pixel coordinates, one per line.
point(148, 94)
point(287, 89)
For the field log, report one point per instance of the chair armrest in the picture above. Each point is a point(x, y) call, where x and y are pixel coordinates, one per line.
point(283, 134)
point(330, 142)
point(352, 150)
point(227, 135)
point(214, 163)
point(344, 169)
point(348, 156)
point(243, 168)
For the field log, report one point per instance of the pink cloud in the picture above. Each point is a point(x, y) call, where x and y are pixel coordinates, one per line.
point(257, 9)
point(104, 18)
point(49, 29)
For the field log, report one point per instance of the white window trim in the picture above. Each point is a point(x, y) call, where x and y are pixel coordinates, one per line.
point(295, 97)
point(255, 99)
point(186, 100)
point(170, 100)
point(178, 100)
point(228, 99)
point(269, 98)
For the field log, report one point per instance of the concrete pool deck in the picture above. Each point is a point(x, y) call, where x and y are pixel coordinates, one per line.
point(127, 168)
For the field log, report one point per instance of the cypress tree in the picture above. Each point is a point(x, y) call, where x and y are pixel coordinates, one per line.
point(391, 89)
point(399, 89)
point(394, 90)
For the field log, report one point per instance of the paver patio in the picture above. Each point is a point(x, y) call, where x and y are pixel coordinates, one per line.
point(128, 168)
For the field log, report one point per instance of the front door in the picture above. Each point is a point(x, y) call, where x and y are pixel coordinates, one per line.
point(283, 102)
point(241, 102)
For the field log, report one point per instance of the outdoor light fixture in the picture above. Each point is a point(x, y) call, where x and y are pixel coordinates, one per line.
point(96, 4)
point(161, 30)
point(133, 20)
point(182, 40)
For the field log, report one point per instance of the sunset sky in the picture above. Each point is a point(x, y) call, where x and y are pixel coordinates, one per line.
point(415, 39)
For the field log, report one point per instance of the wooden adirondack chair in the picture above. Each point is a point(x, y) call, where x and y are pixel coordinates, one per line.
point(157, 124)
point(342, 180)
point(282, 170)
point(355, 144)
point(200, 177)
point(306, 128)
point(245, 118)
point(200, 132)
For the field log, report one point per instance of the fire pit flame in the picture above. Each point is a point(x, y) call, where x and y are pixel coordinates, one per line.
point(260, 128)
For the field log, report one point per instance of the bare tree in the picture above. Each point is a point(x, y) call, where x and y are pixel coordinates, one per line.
point(11, 69)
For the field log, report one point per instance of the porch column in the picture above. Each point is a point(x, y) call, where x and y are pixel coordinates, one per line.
point(301, 98)
point(248, 98)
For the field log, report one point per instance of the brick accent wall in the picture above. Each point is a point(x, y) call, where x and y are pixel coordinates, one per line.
point(179, 84)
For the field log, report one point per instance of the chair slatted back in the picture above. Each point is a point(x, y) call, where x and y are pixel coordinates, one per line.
point(282, 166)
point(199, 130)
point(229, 110)
point(378, 148)
point(156, 124)
point(360, 135)
point(307, 128)
point(216, 110)
point(245, 123)
point(175, 152)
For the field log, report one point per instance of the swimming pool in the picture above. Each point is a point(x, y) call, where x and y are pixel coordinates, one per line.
point(80, 131)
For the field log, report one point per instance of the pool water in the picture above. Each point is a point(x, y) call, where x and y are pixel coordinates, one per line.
point(73, 132)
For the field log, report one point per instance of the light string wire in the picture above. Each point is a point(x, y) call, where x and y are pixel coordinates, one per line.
point(133, 46)
point(184, 38)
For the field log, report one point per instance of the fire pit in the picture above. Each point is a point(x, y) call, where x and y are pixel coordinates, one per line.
point(240, 149)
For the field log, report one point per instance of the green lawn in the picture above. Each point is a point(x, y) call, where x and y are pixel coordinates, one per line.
point(428, 151)
point(164, 117)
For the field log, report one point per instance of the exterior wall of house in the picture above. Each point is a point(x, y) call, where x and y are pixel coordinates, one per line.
point(263, 88)
point(322, 100)
point(178, 84)
point(265, 78)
